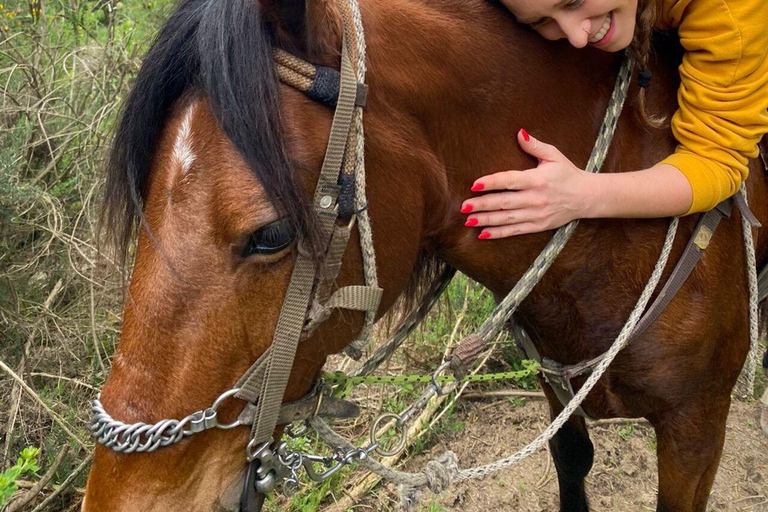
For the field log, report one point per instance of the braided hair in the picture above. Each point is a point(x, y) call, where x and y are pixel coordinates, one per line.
point(647, 14)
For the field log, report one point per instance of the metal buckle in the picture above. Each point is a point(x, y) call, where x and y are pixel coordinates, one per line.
point(283, 465)
point(440, 390)
point(399, 427)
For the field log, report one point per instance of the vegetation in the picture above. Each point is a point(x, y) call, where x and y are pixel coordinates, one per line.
point(65, 66)
point(26, 464)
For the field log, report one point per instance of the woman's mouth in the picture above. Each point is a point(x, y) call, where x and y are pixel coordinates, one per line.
point(605, 34)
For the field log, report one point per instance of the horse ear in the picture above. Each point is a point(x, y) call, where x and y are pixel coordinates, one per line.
point(308, 27)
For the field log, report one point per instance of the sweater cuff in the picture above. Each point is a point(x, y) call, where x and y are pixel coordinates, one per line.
point(705, 178)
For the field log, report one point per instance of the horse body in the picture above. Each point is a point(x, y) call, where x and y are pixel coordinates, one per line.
point(450, 85)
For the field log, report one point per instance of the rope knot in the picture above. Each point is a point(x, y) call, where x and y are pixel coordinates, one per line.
point(439, 474)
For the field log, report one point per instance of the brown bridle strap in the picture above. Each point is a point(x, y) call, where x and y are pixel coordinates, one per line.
point(268, 385)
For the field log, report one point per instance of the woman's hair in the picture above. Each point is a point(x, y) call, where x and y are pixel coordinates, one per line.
point(647, 14)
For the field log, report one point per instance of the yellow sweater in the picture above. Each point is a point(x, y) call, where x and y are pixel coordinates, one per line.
point(723, 93)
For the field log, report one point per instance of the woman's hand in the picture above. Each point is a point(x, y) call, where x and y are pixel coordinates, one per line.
point(547, 197)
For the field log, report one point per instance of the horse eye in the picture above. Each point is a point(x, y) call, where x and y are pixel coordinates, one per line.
point(270, 239)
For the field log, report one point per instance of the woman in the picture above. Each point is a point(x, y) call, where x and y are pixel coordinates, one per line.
point(722, 115)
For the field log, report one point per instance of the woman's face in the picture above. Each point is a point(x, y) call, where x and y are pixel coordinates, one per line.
point(605, 24)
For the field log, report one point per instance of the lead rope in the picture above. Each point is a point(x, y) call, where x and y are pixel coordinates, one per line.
point(441, 472)
point(350, 11)
point(473, 345)
point(748, 374)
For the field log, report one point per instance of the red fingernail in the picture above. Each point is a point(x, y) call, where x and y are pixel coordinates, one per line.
point(477, 187)
point(525, 134)
point(471, 223)
point(484, 236)
point(467, 209)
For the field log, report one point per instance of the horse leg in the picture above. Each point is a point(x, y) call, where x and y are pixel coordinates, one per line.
point(573, 454)
point(690, 443)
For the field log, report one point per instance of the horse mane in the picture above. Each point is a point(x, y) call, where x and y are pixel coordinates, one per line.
point(221, 49)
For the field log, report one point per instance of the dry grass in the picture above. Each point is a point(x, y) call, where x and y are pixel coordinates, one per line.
point(63, 73)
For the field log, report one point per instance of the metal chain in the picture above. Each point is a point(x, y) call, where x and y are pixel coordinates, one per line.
point(145, 437)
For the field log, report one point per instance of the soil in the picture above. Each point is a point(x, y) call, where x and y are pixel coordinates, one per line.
point(623, 477)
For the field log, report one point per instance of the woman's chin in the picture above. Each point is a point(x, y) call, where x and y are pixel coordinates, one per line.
point(618, 44)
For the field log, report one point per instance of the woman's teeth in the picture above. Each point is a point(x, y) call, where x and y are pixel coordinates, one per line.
point(603, 30)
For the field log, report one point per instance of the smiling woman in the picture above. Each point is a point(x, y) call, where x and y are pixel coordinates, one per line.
point(721, 116)
point(608, 24)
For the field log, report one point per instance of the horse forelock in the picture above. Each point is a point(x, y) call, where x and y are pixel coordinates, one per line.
point(221, 49)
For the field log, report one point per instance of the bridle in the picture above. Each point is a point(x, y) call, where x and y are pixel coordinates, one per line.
point(339, 203)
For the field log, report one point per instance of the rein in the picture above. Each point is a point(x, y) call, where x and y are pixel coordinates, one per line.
point(340, 203)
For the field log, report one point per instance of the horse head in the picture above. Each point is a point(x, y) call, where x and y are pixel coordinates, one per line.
point(214, 163)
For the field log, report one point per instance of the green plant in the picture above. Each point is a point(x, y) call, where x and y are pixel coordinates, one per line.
point(26, 463)
point(627, 431)
point(651, 442)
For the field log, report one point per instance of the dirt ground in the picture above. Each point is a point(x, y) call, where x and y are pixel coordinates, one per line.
point(623, 477)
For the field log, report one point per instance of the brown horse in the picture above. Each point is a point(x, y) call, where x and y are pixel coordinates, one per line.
point(211, 151)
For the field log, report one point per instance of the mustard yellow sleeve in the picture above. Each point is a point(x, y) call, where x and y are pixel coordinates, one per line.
point(723, 94)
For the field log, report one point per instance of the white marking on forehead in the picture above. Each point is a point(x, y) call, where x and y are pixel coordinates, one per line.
point(182, 146)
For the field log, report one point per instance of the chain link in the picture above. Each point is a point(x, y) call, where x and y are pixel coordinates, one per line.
point(148, 437)
point(283, 465)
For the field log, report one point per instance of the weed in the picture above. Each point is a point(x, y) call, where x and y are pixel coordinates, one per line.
point(627, 431)
point(651, 442)
point(26, 464)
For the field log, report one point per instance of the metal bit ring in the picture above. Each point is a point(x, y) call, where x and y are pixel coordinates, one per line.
point(399, 427)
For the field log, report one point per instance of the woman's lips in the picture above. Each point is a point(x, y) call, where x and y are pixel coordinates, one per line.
point(607, 33)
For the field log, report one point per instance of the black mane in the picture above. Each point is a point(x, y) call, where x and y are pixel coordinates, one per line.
point(223, 49)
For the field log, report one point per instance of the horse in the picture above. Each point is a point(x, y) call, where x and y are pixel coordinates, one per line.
point(213, 160)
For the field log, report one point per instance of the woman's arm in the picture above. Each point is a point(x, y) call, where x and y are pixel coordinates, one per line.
point(661, 191)
point(557, 192)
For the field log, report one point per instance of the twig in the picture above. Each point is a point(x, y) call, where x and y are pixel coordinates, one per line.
point(39, 486)
point(95, 336)
point(56, 418)
point(61, 377)
point(545, 477)
point(617, 421)
point(65, 485)
point(504, 393)
point(15, 402)
point(16, 390)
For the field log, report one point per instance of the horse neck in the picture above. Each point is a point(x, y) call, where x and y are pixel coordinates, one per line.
point(467, 80)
